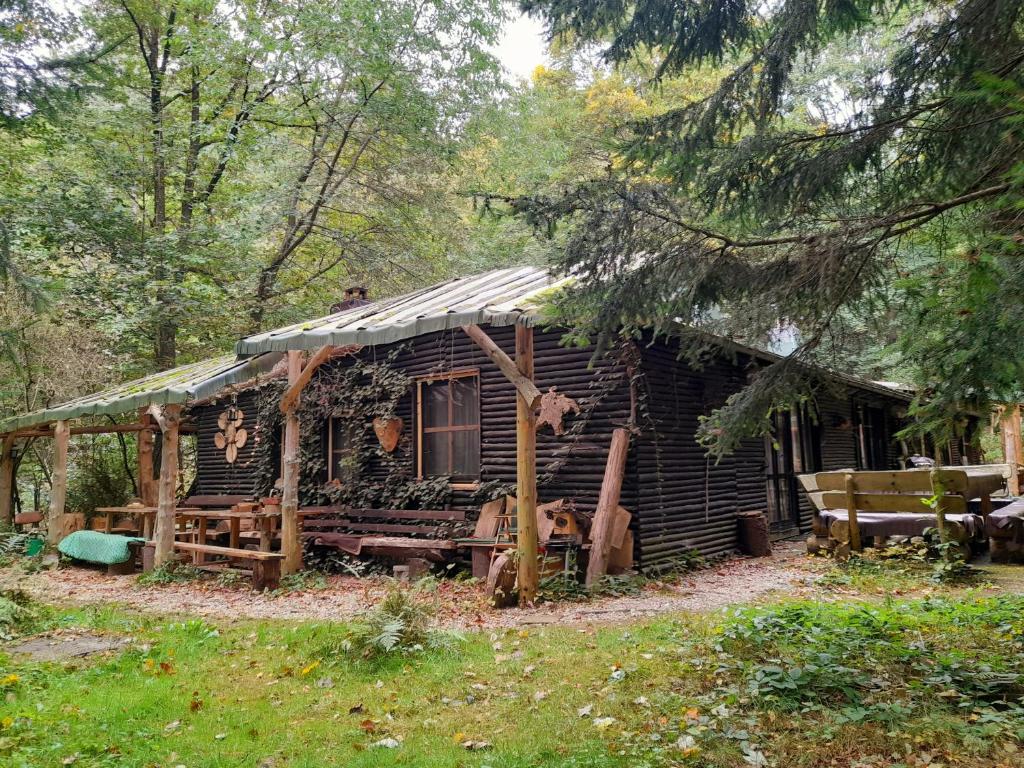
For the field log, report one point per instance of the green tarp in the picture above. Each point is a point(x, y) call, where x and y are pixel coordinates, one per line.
point(96, 547)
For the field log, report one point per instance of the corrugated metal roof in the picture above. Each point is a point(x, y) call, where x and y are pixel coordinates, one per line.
point(184, 384)
point(499, 297)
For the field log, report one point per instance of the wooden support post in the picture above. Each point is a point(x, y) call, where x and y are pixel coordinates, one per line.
point(58, 481)
point(7, 479)
point(939, 492)
point(513, 370)
point(607, 503)
point(851, 512)
point(168, 420)
point(148, 490)
point(291, 542)
point(1013, 453)
point(526, 471)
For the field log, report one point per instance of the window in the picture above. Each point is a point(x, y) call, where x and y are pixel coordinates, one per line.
point(449, 426)
point(341, 456)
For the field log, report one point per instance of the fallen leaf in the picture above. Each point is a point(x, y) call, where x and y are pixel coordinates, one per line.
point(585, 711)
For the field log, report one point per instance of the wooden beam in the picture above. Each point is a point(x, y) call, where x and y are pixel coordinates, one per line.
point(6, 479)
point(168, 420)
point(100, 429)
point(607, 504)
point(522, 382)
point(58, 481)
point(291, 541)
point(290, 399)
point(149, 490)
point(526, 463)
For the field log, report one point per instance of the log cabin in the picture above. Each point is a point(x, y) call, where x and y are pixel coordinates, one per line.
point(410, 403)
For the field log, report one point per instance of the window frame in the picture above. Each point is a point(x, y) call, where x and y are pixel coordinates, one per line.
point(336, 416)
point(469, 482)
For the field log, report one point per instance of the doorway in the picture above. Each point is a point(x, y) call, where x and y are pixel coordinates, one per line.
point(794, 449)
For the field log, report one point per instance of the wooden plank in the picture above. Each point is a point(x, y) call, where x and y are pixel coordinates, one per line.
point(58, 480)
point(607, 505)
point(99, 429)
point(513, 371)
point(7, 479)
point(163, 539)
point(890, 502)
point(526, 467)
point(242, 554)
point(904, 481)
point(291, 543)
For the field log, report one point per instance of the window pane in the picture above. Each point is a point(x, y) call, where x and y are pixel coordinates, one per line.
point(435, 404)
point(466, 453)
point(435, 453)
point(465, 401)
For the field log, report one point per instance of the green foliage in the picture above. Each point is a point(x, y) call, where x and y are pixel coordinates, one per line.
point(170, 573)
point(17, 614)
point(301, 581)
point(399, 625)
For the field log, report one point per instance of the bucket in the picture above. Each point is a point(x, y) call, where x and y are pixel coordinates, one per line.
point(34, 546)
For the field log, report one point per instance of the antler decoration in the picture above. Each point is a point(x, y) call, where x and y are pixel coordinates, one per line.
point(232, 437)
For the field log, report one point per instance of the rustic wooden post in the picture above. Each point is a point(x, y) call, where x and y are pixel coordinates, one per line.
point(939, 492)
point(291, 543)
point(526, 472)
point(607, 503)
point(148, 490)
point(851, 512)
point(7, 478)
point(1010, 429)
point(163, 539)
point(58, 480)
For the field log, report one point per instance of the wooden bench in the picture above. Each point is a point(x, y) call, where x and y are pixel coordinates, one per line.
point(214, 501)
point(367, 530)
point(858, 505)
point(1005, 531)
point(266, 566)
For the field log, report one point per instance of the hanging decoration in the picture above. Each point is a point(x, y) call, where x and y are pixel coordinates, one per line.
point(388, 429)
point(232, 436)
point(553, 407)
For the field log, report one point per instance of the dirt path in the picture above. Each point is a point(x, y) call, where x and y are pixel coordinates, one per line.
point(459, 605)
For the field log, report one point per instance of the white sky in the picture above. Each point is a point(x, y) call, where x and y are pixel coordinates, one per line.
point(522, 46)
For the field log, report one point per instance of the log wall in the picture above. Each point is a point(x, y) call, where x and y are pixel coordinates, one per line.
point(214, 475)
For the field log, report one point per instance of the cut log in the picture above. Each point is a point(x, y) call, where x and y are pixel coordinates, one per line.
point(607, 504)
point(6, 478)
point(148, 486)
point(526, 470)
point(291, 542)
point(501, 582)
point(163, 539)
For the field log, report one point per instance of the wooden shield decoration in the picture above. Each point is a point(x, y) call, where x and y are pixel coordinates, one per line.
point(388, 430)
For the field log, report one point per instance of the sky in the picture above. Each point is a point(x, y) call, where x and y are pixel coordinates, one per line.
point(522, 46)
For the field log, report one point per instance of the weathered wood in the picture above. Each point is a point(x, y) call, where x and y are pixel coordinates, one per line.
point(291, 542)
point(58, 480)
point(852, 499)
point(513, 371)
point(148, 488)
point(891, 502)
point(6, 478)
point(607, 504)
point(906, 481)
point(1013, 451)
point(526, 469)
point(163, 539)
point(99, 429)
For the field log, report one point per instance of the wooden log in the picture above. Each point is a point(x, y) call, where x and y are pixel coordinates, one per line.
point(607, 503)
point(58, 480)
point(98, 429)
point(149, 490)
point(526, 470)
point(290, 399)
point(163, 539)
point(291, 542)
point(522, 382)
point(6, 479)
point(941, 505)
point(851, 510)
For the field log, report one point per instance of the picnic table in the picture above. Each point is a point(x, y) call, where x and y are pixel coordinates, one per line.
point(147, 514)
point(264, 524)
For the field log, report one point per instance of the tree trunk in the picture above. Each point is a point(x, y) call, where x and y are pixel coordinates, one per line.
point(526, 473)
point(148, 489)
point(58, 480)
point(164, 536)
point(291, 543)
point(6, 479)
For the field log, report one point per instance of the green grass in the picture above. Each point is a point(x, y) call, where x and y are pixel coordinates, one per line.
point(797, 684)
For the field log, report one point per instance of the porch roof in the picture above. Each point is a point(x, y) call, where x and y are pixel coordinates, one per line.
point(498, 297)
point(185, 384)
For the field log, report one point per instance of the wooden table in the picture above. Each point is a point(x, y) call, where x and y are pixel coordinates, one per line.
point(148, 515)
point(264, 522)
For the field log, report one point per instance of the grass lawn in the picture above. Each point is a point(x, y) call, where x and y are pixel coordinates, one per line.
point(934, 682)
